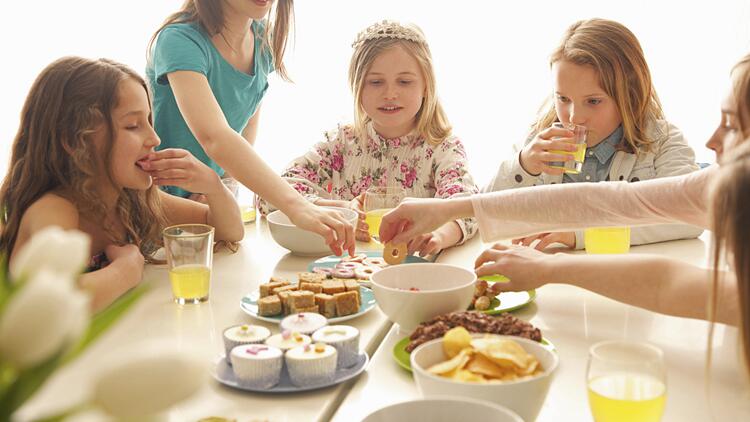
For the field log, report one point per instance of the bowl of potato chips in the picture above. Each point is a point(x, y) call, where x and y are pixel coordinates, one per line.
point(410, 294)
point(511, 371)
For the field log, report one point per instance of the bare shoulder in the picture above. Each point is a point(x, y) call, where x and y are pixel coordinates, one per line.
point(51, 209)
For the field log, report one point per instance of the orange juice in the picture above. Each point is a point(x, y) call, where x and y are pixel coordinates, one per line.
point(623, 397)
point(190, 283)
point(573, 167)
point(373, 219)
point(607, 240)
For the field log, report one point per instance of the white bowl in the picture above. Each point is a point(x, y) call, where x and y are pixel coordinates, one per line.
point(447, 409)
point(442, 288)
point(299, 241)
point(524, 397)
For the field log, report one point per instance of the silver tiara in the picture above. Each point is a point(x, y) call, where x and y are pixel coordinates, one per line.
point(390, 29)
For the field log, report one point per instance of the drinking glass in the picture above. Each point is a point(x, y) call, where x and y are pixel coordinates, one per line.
point(626, 382)
point(378, 201)
point(189, 250)
point(607, 240)
point(245, 199)
point(579, 139)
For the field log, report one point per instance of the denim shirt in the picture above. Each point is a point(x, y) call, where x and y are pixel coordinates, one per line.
point(597, 161)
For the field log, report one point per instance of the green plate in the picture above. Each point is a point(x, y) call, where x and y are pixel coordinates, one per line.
point(402, 358)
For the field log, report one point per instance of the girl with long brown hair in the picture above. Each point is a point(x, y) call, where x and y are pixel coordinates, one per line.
point(79, 161)
point(600, 81)
point(208, 66)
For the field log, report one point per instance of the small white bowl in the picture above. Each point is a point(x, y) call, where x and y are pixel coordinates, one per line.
point(440, 288)
point(446, 409)
point(299, 241)
point(524, 397)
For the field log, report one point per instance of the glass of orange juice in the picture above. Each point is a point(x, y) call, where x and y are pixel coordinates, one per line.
point(189, 250)
point(245, 198)
point(607, 240)
point(626, 382)
point(575, 165)
point(378, 201)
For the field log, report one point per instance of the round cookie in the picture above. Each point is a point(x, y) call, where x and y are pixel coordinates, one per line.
point(364, 273)
point(394, 254)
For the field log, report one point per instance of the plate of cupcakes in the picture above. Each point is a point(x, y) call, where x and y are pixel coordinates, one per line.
point(319, 356)
point(336, 299)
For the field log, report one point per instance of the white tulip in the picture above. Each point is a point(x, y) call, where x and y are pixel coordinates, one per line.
point(65, 252)
point(142, 381)
point(47, 315)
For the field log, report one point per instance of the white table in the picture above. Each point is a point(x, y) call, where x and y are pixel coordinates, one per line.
point(199, 328)
point(573, 319)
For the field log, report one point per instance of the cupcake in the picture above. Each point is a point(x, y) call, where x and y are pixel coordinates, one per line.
point(304, 322)
point(256, 365)
point(344, 339)
point(243, 334)
point(288, 340)
point(311, 364)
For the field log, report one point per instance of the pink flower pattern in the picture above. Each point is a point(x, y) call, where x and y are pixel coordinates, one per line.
point(350, 166)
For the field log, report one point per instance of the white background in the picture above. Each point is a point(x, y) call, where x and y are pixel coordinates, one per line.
point(491, 60)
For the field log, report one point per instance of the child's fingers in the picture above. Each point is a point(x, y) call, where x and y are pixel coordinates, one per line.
point(548, 157)
point(170, 174)
point(169, 182)
point(552, 170)
point(163, 164)
point(563, 144)
point(546, 241)
point(167, 153)
point(551, 132)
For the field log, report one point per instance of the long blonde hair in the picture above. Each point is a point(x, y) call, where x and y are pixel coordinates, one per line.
point(730, 213)
point(210, 15)
point(432, 122)
point(615, 53)
point(53, 151)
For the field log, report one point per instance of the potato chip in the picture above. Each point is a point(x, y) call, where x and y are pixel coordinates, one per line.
point(504, 352)
point(467, 376)
point(455, 340)
point(453, 364)
point(480, 364)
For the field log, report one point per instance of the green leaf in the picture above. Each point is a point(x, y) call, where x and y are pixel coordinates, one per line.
point(106, 318)
point(27, 382)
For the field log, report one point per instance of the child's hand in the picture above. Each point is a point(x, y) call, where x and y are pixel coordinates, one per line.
point(361, 231)
point(524, 266)
point(129, 259)
point(335, 229)
point(536, 155)
point(545, 239)
point(428, 244)
point(178, 167)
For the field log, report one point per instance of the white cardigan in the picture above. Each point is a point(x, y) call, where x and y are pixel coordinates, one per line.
point(670, 155)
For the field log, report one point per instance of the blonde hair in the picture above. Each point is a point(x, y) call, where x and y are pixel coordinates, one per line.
point(210, 15)
point(616, 55)
point(431, 120)
point(53, 151)
point(730, 213)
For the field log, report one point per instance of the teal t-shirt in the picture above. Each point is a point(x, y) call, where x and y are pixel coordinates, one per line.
point(186, 46)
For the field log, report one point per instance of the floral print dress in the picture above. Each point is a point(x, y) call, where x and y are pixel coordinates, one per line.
point(344, 166)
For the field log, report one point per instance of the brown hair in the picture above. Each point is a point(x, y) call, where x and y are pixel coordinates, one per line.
point(53, 151)
point(432, 122)
point(730, 213)
point(210, 15)
point(616, 55)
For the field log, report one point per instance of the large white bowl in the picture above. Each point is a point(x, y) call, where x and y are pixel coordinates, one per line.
point(524, 397)
point(299, 241)
point(446, 409)
point(442, 288)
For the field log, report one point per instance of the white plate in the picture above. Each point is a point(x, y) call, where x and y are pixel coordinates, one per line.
point(249, 305)
point(225, 375)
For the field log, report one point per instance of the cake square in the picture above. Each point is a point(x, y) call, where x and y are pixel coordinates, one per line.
point(266, 289)
point(333, 286)
point(269, 306)
point(311, 277)
point(313, 309)
point(346, 303)
point(288, 288)
point(311, 287)
point(301, 299)
point(353, 286)
point(284, 297)
point(326, 305)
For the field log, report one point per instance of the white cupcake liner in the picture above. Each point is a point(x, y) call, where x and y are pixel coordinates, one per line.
point(304, 372)
point(258, 373)
point(231, 344)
